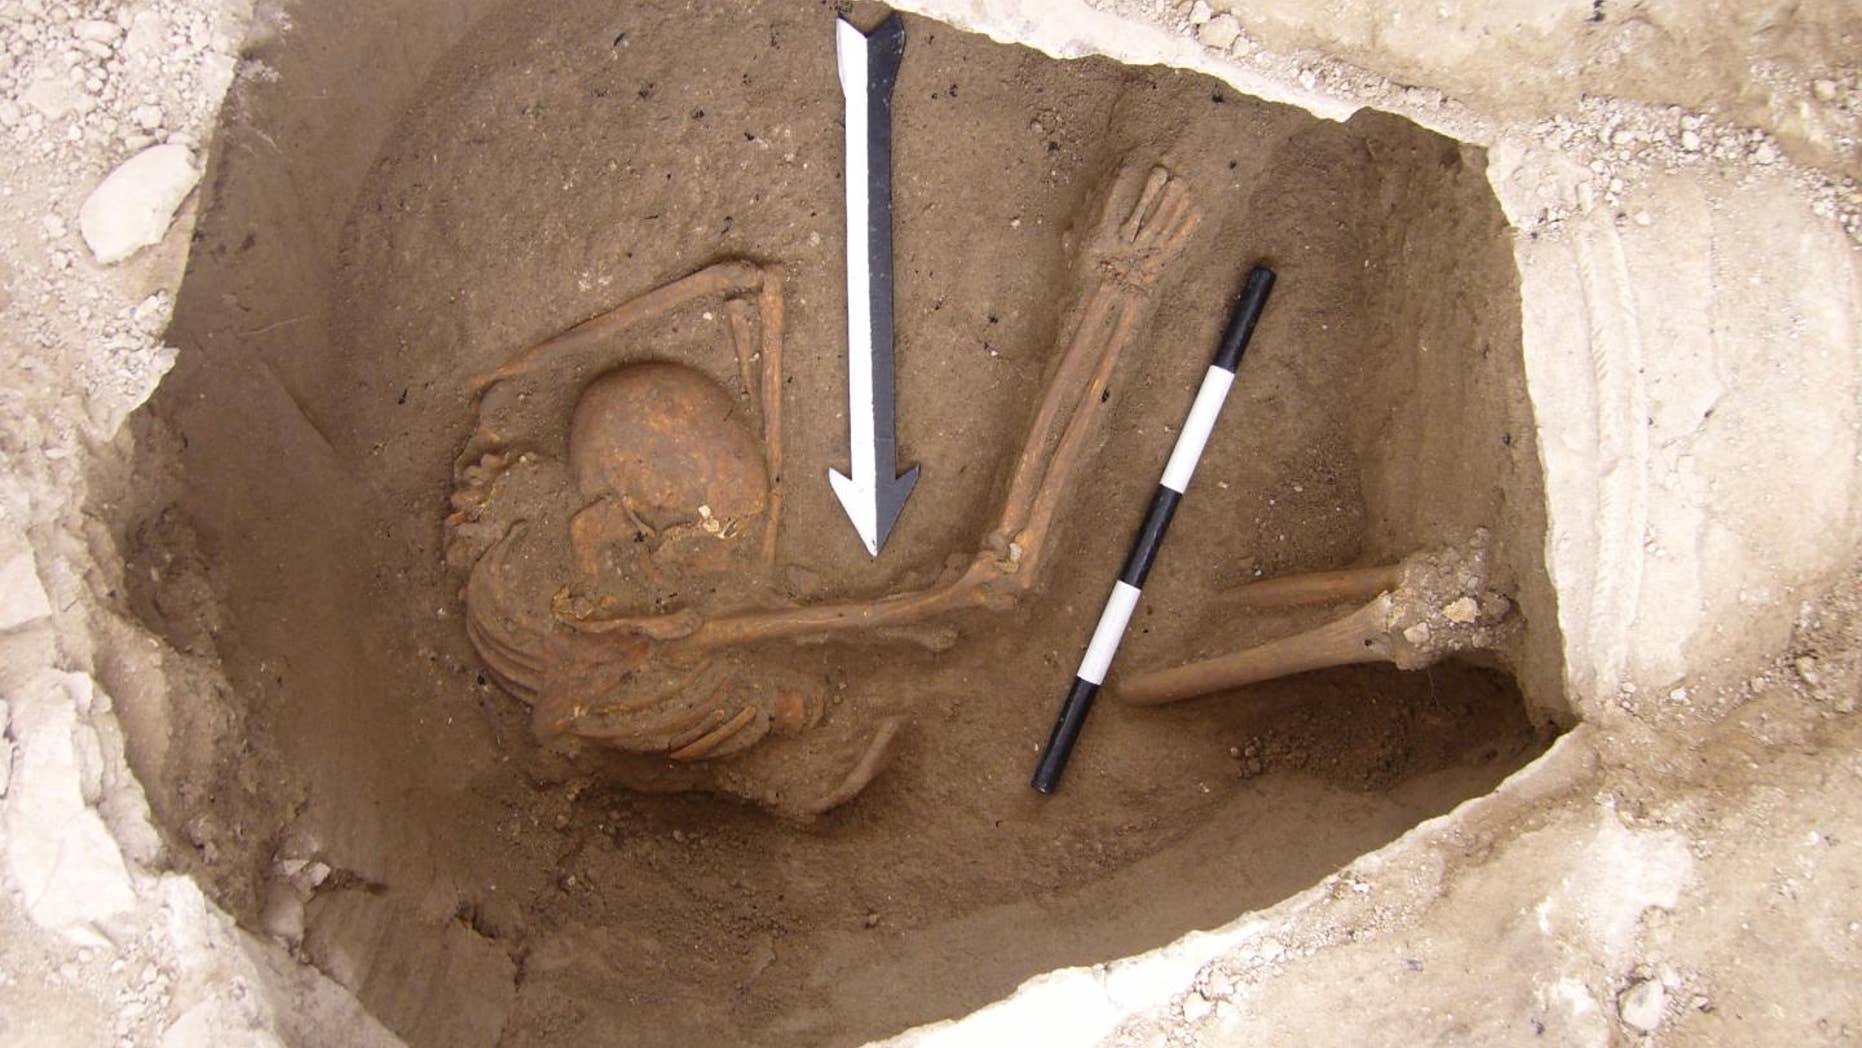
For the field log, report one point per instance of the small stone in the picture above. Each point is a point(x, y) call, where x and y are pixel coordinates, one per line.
point(282, 915)
point(132, 208)
point(1766, 153)
point(1825, 90)
point(1200, 12)
point(1219, 32)
point(871, 920)
point(51, 96)
point(1690, 141)
point(1462, 611)
point(22, 597)
point(1196, 1007)
point(678, 836)
point(1643, 218)
point(1235, 752)
point(151, 313)
point(98, 31)
point(1808, 670)
point(9, 112)
point(1641, 1005)
point(147, 117)
point(1418, 634)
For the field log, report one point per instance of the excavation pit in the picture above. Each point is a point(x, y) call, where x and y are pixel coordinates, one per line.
point(339, 767)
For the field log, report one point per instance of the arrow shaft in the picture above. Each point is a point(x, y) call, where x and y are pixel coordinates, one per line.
point(869, 69)
point(871, 494)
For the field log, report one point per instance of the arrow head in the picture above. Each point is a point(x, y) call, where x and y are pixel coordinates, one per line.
point(873, 512)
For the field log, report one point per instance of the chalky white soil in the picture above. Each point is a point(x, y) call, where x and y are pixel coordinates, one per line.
point(1683, 866)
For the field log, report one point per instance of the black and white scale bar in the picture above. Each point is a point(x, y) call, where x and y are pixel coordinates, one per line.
point(1177, 472)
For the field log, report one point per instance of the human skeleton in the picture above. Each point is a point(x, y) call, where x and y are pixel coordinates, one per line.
point(617, 578)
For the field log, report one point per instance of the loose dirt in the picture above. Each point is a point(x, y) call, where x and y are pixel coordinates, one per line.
point(360, 789)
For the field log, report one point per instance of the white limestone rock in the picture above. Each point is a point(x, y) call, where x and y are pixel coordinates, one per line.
point(22, 596)
point(1220, 32)
point(131, 209)
point(67, 867)
point(1641, 1005)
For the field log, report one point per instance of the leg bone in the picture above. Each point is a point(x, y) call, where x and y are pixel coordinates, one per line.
point(1434, 604)
point(1319, 587)
point(1358, 637)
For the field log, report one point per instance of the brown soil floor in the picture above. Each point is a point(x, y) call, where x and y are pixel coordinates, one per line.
point(570, 155)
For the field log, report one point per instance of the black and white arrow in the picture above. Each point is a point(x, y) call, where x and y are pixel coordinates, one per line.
point(871, 495)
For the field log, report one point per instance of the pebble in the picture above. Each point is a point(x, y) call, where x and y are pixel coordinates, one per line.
point(147, 117)
point(1417, 634)
point(1462, 611)
point(1196, 1007)
point(1641, 1005)
point(1690, 141)
point(98, 31)
point(1807, 669)
point(132, 207)
point(1219, 32)
point(1825, 90)
point(1200, 12)
point(872, 920)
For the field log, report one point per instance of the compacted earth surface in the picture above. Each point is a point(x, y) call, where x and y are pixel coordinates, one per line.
point(257, 787)
point(360, 788)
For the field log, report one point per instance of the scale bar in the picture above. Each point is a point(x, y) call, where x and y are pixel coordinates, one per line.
point(1176, 479)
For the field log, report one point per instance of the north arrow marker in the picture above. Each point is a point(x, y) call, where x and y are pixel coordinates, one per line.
point(872, 496)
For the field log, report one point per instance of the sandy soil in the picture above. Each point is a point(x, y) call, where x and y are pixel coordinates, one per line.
point(1695, 420)
point(294, 542)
